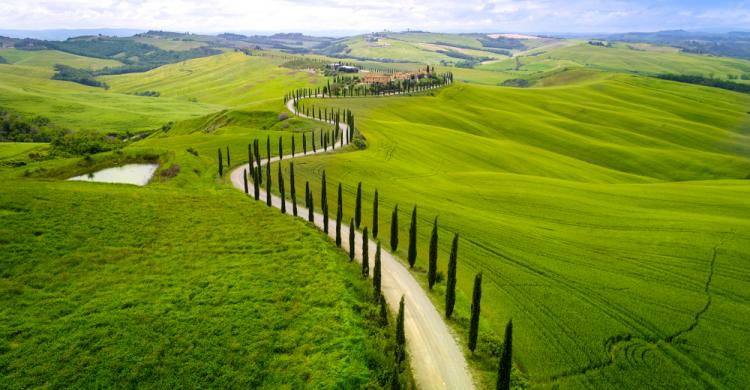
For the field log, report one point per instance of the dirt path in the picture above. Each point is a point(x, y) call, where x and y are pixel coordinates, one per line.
point(436, 359)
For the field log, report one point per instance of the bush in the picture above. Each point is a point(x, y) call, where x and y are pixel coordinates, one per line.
point(192, 151)
point(84, 142)
point(283, 116)
point(170, 172)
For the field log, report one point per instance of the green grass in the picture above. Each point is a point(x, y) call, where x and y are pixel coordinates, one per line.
point(112, 285)
point(49, 58)
point(594, 211)
point(621, 58)
point(171, 44)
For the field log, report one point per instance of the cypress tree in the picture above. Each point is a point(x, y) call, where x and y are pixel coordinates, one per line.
point(281, 191)
point(432, 268)
point(376, 276)
point(450, 289)
point(250, 159)
point(475, 308)
point(375, 215)
point(358, 206)
point(383, 312)
point(268, 149)
point(304, 144)
point(365, 253)
point(312, 135)
point(228, 162)
point(413, 238)
point(256, 147)
point(339, 216)
point(506, 359)
point(244, 176)
point(281, 152)
point(307, 194)
point(221, 165)
point(292, 188)
point(351, 240)
point(400, 334)
point(394, 229)
point(395, 378)
point(324, 203)
point(311, 211)
point(292, 145)
point(256, 185)
point(268, 184)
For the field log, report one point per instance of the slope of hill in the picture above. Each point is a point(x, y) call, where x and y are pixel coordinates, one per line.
point(606, 217)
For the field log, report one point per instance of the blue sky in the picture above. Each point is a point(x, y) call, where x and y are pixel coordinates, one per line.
point(328, 16)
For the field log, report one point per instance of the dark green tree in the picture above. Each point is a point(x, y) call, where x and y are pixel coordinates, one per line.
point(304, 144)
point(375, 215)
point(506, 359)
point(292, 189)
point(293, 145)
point(221, 165)
point(394, 229)
point(281, 152)
point(311, 210)
point(268, 149)
point(339, 217)
point(228, 162)
point(400, 334)
point(365, 253)
point(376, 272)
point(476, 302)
point(250, 159)
point(351, 240)
point(281, 191)
point(244, 177)
point(256, 183)
point(358, 206)
point(268, 184)
point(324, 202)
point(413, 238)
point(432, 267)
point(450, 289)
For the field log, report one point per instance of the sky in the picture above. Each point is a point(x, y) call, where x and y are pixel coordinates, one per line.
point(331, 16)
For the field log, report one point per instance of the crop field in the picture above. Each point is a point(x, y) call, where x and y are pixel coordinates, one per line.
point(610, 219)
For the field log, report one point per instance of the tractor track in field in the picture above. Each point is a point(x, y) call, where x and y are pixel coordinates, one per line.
point(613, 343)
point(437, 360)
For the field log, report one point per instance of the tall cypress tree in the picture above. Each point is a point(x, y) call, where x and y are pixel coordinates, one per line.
point(292, 188)
point(506, 359)
point(383, 312)
point(228, 161)
point(256, 147)
point(432, 267)
point(250, 159)
point(450, 289)
point(221, 165)
point(256, 184)
point(400, 333)
point(375, 215)
point(311, 211)
point(312, 139)
point(376, 276)
point(475, 309)
point(351, 240)
point(268, 184)
point(304, 144)
point(365, 253)
point(358, 206)
point(307, 194)
point(413, 238)
point(324, 203)
point(244, 177)
point(281, 191)
point(394, 229)
point(281, 149)
point(268, 149)
point(292, 145)
point(339, 216)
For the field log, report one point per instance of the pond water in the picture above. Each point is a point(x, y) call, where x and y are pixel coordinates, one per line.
point(137, 174)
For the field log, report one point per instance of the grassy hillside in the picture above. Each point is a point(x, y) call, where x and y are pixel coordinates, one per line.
point(109, 285)
point(624, 58)
point(588, 209)
point(48, 58)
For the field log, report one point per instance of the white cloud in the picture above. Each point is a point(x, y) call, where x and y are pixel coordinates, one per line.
point(370, 15)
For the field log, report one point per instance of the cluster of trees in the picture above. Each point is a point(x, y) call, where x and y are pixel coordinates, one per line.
point(350, 86)
point(76, 75)
point(707, 81)
point(15, 128)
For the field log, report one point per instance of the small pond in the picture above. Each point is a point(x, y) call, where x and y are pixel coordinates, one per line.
point(137, 174)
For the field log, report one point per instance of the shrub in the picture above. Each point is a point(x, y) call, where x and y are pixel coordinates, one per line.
point(84, 142)
point(170, 172)
point(283, 116)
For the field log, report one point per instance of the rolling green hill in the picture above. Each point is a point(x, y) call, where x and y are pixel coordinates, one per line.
point(604, 215)
point(48, 58)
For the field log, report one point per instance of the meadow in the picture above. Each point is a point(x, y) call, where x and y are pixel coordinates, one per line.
point(609, 217)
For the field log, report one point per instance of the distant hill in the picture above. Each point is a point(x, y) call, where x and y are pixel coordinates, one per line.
point(62, 34)
point(732, 44)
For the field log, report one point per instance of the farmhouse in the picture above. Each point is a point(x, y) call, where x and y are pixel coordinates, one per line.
point(376, 78)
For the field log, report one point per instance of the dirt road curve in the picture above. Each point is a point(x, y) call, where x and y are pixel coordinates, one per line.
point(436, 358)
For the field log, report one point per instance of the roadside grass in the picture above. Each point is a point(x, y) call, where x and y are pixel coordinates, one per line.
point(114, 285)
point(594, 211)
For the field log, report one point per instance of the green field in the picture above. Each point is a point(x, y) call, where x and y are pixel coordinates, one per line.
point(607, 210)
point(597, 213)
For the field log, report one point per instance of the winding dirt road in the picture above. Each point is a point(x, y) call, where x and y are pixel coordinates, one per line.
point(436, 359)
